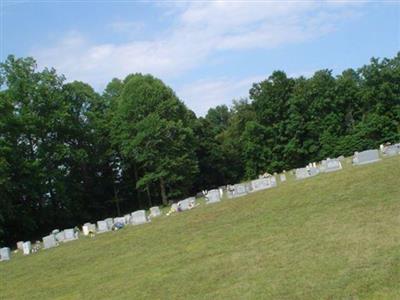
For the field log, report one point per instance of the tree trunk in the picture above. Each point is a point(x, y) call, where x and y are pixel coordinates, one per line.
point(149, 195)
point(163, 193)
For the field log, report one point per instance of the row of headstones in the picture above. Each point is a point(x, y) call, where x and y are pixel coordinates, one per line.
point(242, 189)
point(212, 196)
point(53, 239)
point(359, 158)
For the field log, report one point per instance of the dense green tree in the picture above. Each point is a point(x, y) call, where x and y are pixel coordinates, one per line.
point(152, 128)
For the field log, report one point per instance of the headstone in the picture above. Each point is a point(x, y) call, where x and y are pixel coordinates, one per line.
point(249, 187)
point(213, 196)
point(302, 173)
point(155, 211)
point(69, 235)
point(5, 254)
point(330, 165)
point(60, 236)
point(127, 219)
point(19, 245)
point(263, 183)
point(184, 204)
point(26, 248)
point(391, 150)
point(283, 177)
point(87, 228)
point(109, 222)
point(139, 217)
point(239, 190)
point(55, 231)
point(102, 226)
point(120, 220)
point(49, 241)
point(366, 157)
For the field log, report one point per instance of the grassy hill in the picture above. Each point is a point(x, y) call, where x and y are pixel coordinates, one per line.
point(333, 236)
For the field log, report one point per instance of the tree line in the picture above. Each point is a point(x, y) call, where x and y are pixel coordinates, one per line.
point(69, 155)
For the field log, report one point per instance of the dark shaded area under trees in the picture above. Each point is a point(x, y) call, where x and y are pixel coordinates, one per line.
point(69, 155)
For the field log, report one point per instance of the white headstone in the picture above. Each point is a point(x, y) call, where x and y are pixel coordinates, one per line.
point(120, 220)
point(366, 157)
point(49, 241)
point(85, 229)
point(109, 222)
point(69, 234)
point(5, 253)
point(184, 204)
point(139, 217)
point(102, 226)
point(19, 245)
point(213, 196)
point(155, 211)
point(283, 177)
point(60, 236)
point(390, 150)
point(127, 219)
point(309, 171)
point(239, 190)
point(26, 248)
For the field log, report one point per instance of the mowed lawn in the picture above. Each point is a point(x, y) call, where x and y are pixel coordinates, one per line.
point(333, 236)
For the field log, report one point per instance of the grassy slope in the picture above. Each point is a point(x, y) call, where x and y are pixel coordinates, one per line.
point(334, 236)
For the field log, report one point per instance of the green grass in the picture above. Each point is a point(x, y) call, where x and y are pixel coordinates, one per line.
point(333, 236)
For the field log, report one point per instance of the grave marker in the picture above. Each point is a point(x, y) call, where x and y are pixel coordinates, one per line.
point(26, 248)
point(49, 241)
point(213, 196)
point(155, 211)
point(366, 157)
point(139, 217)
point(5, 254)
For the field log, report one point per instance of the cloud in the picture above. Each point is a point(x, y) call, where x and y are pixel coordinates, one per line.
point(200, 30)
point(126, 26)
point(202, 94)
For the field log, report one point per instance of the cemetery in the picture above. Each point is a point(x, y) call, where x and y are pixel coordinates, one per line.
point(288, 186)
point(265, 181)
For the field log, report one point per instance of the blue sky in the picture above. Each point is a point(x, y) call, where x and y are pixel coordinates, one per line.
point(209, 52)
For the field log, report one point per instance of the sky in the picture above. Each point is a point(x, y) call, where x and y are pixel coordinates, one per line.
point(208, 52)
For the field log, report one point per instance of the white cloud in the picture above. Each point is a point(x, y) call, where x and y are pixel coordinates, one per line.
point(206, 93)
point(201, 29)
point(126, 26)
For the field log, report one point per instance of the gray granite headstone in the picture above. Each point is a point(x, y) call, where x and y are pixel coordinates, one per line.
point(102, 226)
point(49, 241)
point(213, 196)
point(330, 165)
point(282, 177)
point(366, 157)
point(26, 248)
point(263, 183)
point(155, 211)
point(139, 217)
point(5, 253)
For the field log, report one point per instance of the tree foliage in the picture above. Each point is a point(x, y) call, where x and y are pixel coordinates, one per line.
point(69, 155)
